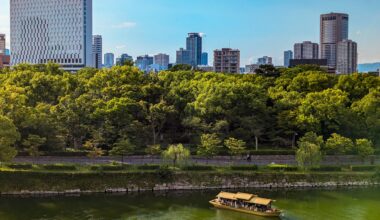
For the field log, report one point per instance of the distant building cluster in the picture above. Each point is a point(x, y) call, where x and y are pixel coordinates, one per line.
point(336, 52)
point(41, 33)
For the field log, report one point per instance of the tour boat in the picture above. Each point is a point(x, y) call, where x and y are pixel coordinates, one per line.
point(245, 203)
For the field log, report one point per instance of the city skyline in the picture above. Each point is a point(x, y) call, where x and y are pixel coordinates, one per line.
point(130, 31)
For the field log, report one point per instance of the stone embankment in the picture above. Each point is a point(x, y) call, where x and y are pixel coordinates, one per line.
point(68, 184)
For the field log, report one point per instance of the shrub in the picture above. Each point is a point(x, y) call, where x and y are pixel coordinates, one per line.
point(20, 166)
point(273, 152)
point(149, 167)
point(326, 168)
point(197, 168)
point(364, 168)
point(281, 167)
point(245, 167)
point(59, 167)
point(108, 167)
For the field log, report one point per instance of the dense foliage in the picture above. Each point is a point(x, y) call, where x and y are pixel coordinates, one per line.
point(126, 109)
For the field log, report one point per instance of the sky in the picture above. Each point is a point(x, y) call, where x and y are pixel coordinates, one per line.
point(256, 27)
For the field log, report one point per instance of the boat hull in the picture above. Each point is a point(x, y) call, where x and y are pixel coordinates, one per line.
point(263, 214)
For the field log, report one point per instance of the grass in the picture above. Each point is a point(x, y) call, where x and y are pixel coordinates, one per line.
point(118, 168)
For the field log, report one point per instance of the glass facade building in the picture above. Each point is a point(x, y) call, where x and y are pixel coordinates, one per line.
point(45, 31)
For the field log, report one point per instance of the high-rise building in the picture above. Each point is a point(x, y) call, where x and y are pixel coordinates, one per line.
point(334, 28)
point(123, 58)
point(194, 45)
point(144, 62)
point(265, 60)
point(306, 50)
point(183, 57)
point(97, 51)
point(109, 60)
point(347, 57)
point(51, 31)
point(251, 68)
point(204, 61)
point(2, 43)
point(162, 60)
point(288, 55)
point(7, 52)
point(4, 60)
point(227, 60)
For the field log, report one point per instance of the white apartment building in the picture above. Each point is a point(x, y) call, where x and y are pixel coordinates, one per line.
point(57, 31)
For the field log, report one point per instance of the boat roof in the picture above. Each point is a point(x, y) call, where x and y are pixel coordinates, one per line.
point(244, 196)
point(260, 201)
point(250, 198)
point(226, 195)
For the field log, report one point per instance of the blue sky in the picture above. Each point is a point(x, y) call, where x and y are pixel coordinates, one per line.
point(256, 27)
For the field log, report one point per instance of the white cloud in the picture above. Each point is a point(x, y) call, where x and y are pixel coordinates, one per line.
point(125, 25)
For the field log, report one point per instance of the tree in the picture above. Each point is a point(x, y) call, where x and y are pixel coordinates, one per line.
point(321, 111)
point(339, 145)
point(123, 147)
point(236, 147)
point(313, 138)
point(8, 137)
point(364, 148)
point(268, 71)
point(210, 145)
point(153, 150)
point(308, 154)
point(33, 144)
point(176, 153)
point(157, 115)
point(180, 67)
point(93, 150)
point(309, 150)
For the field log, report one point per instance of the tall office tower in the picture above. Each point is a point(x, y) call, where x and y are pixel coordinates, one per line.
point(347, 57)
point(123, 58)
point(162, 60)
point(204, 61)
point(334, 28)
point(265, 60)
point(2, 43)
point(227, 60)
point(194, 45)
point(183, 57)
point(97, 51)
point(109, 60)
point(144, 62)
point(306, 50)
point(288, 55)
point(52, 31)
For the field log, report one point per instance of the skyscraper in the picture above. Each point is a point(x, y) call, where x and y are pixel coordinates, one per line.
point(306, 50)
point(227, 60)
point(334, 28)
point(123, 58)
point(2, 43)
point(183, 57)
point(288, 55)
point(109, 60)
point(347, 57)
point(97, 51)
point(194, 45)
point(204, 59)
point(143, 62)
point(162, 60)
point(265, 60)
point(52, 31)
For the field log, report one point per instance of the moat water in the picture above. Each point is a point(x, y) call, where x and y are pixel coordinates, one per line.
point(318, 204)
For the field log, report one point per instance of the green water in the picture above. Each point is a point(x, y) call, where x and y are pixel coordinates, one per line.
point(299, 204)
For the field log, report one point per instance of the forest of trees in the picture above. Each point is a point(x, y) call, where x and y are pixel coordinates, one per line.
point(43, 108)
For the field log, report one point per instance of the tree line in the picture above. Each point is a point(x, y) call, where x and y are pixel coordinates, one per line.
point(44, 109)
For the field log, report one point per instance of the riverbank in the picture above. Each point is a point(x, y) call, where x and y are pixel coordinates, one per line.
point(63, 183)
